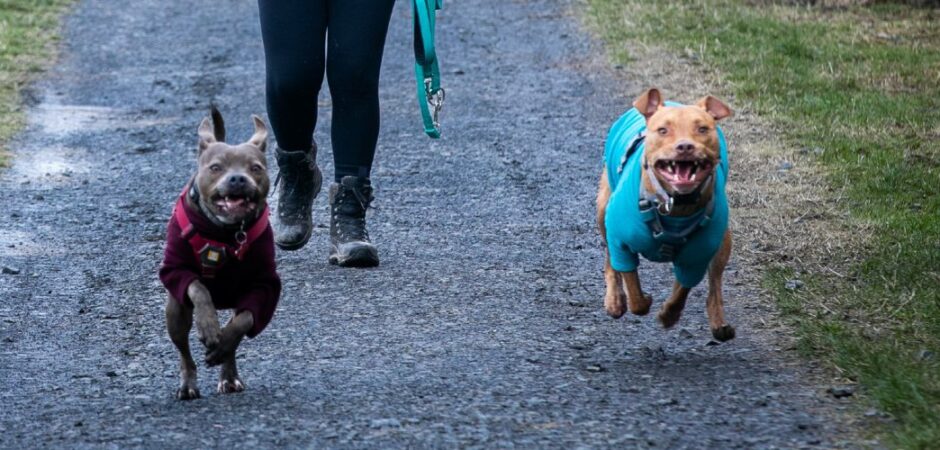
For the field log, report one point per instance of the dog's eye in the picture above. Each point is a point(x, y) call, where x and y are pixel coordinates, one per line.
point(662, 131)
point(257, 168)
point(703, 130)
point(215, 168)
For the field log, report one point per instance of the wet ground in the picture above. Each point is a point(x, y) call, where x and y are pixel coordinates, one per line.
point(484, 325)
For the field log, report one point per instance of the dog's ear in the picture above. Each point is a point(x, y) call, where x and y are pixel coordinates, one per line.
point(715, 107)
point(206, 137)
point(260, 138)
point(211, 131)
point(649, 102)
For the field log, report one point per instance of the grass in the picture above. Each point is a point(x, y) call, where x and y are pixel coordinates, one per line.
point(862, 85)
point(28, 28)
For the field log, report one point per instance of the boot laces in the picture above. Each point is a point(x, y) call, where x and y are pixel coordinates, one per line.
point(349, 213)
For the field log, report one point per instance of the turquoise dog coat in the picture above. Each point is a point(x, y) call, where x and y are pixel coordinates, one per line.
point(631, 220)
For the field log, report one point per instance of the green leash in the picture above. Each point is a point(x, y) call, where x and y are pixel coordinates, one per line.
point(430, 93)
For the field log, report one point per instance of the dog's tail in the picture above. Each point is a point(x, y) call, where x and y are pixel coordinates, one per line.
point(218, 125)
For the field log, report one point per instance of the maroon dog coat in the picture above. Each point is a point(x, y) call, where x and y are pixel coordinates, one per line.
point(237, 267)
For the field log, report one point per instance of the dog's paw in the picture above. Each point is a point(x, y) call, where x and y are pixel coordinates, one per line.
point(641, 306)
point(230, 386)
point(187, 393)
point(723, 333)
point(668, 317)
point(615, 305)
point(208, 330)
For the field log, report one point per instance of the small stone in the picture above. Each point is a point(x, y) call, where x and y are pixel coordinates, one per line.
point(111, 374)
point(10, 270)
point(667, 402)
point(785, 166)
point(686, 334)
point(385, 423)
point(39, 197)
point(79, 423)
point(792, 285)
point(925, 355)
point(594, 368)
point(841, 391)
point(712, 343)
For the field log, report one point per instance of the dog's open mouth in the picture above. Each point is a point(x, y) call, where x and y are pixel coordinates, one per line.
point(684, 174)
point(235, 206)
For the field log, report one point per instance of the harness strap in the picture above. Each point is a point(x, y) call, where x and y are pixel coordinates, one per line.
point(212, 254)
point(427, 73)
point(670, 241)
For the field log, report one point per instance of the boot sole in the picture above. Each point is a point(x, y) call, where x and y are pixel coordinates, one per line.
point(358, 257)
point(295, 245)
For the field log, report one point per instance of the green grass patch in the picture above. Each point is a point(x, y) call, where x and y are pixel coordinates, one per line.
point(28, 28)
point(863, 85)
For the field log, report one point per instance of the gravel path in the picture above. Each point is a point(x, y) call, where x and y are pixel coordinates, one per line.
point(484, 326)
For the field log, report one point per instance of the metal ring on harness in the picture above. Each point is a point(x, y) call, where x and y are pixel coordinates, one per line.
point(427, 73)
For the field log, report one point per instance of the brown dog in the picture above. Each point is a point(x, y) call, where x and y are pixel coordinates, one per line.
point(220, 254)
point(662, 196)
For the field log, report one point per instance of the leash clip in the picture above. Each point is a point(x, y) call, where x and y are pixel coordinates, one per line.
point(435, 101)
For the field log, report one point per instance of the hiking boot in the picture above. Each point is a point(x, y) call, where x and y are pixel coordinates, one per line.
point(298, 183)
point(349, 240)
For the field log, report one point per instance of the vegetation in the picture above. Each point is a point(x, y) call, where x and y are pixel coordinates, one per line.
point(862, 85)
point(28, 30)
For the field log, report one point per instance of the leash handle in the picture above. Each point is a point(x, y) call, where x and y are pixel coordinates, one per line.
point(427, 73)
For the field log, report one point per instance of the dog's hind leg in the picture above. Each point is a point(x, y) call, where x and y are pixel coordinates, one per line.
point(224, 354)
point(615, 299)
point(179, 320)
point(229, 382)
point(672, 308)
point(714, 305)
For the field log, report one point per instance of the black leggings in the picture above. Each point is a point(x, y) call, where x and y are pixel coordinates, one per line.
point(297, 46)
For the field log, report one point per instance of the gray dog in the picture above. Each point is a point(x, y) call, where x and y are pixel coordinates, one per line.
point(220, 254)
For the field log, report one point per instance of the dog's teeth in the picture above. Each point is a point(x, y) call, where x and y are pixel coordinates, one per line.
point(693, 177)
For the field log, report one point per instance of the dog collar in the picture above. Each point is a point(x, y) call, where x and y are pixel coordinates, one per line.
point(212, 254)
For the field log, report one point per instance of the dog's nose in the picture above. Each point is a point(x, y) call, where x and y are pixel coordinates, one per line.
point(238, 181)
point(684, 146)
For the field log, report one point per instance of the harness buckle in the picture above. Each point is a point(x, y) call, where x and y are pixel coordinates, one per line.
point(435, 101)
point(665, 207)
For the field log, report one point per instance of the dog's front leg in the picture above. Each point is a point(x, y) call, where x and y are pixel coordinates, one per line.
point(231, 337)
point(207, 321)
point(638, 301)
point(179, 320)
point(672, 308)
point(615, 300)
point(721, 331)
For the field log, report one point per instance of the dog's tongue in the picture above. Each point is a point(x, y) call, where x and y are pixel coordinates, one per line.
point(684, 170)
point(231, 202)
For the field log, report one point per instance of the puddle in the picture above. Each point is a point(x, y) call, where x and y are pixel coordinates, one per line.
point(50, 163)
point(60, 119)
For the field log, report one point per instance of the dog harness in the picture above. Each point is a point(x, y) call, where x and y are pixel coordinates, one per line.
point(638, 222)
point(213, 254)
